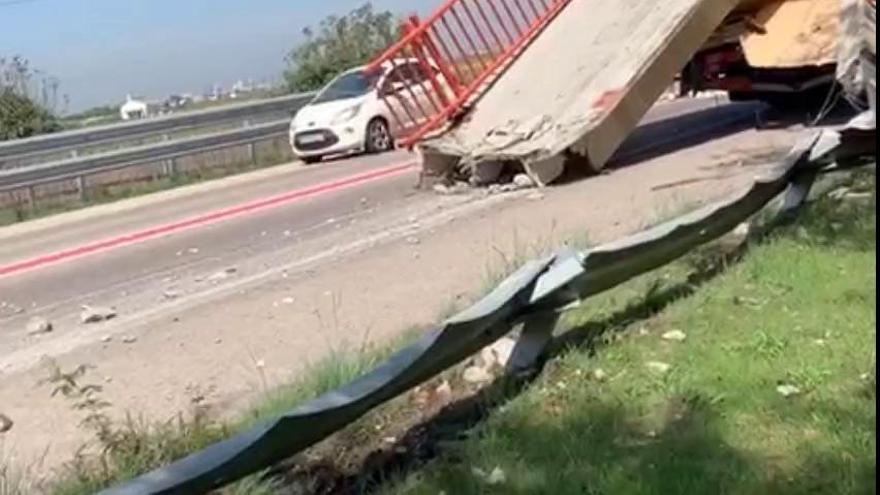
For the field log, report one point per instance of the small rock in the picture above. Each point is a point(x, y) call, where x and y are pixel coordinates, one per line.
point(496, 477)
point(535, 196)
point(658, 367)
point(523, 181)
point(193, 250)
point(287, 233)
point(38, 325)
point(331, 221)
point(509, 187)
point(287, 300)
point(839, 193)
point(107, 338)
point(5, 423)
point(443, 392)
point(96, 314)
point(129, 339)
point(171, 294)
point(441, 189)
point(260, 364)
point(412, 240)
point(498, 353)
point(788, 390)
point(218, 341)
point(222, 275)
point(599, 375)
point(746, 301)
point(476, 375)
point(674, 336)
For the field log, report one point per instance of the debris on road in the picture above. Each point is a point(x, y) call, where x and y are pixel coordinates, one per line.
point(523, 181)
point(129, 339)
point(96, 314)
point(5, 423)
point(222, 275)
point(38, 325)
point(171, 294)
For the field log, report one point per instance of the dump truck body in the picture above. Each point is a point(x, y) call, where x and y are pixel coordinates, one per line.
point(773, 50)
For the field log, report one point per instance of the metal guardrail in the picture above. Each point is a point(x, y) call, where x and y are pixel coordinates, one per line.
point(12, 151)
point(27, 177)
point(532, 298)
point(459, 49)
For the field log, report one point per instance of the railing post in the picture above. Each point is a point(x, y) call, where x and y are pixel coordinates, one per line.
point(81, 187)
point(29, 197)
point(252, 152)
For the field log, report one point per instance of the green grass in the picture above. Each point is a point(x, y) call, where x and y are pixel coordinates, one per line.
point(133, 447)
point(799, 310)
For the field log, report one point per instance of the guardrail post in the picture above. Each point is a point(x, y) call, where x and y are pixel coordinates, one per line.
point(30, 197)
point(252, 152)
point(81, 187)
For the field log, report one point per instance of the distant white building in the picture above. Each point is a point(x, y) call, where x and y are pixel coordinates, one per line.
point(133, 109)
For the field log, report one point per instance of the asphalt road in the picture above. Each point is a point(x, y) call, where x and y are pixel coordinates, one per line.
point(142, 253)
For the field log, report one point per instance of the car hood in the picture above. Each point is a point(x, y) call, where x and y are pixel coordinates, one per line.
point(313, 116)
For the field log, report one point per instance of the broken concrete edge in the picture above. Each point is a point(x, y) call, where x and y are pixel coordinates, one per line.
point(442, 168)
point(601, 133)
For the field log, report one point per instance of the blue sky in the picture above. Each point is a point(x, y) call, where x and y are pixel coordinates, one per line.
point(100, 50)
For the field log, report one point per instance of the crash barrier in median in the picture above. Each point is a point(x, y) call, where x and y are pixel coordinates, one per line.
point(532, 299)
point(73, 141)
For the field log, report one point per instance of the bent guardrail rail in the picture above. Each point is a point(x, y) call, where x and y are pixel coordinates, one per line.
point(72, 140)
point(533, 298)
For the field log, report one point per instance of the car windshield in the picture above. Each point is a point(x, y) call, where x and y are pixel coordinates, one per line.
point(348, 85)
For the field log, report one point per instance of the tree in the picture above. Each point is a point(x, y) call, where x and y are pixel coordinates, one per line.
point(340, 43)
point(24, 102)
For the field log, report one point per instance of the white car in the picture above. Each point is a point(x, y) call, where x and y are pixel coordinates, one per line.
point(349, 114)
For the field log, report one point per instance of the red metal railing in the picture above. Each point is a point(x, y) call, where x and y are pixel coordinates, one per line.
point(442, 64)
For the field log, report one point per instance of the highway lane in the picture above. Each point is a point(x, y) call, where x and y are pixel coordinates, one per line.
point(204, 257)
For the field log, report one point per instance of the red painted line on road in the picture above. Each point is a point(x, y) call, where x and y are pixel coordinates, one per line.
point(204, 219)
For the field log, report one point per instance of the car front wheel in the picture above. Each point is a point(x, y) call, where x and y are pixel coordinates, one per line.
point(378, 136)
point(311, 160)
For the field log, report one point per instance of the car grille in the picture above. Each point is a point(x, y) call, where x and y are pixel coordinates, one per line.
point(314, 140)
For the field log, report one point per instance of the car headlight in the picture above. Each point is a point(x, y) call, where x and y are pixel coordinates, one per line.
point(346, 115)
